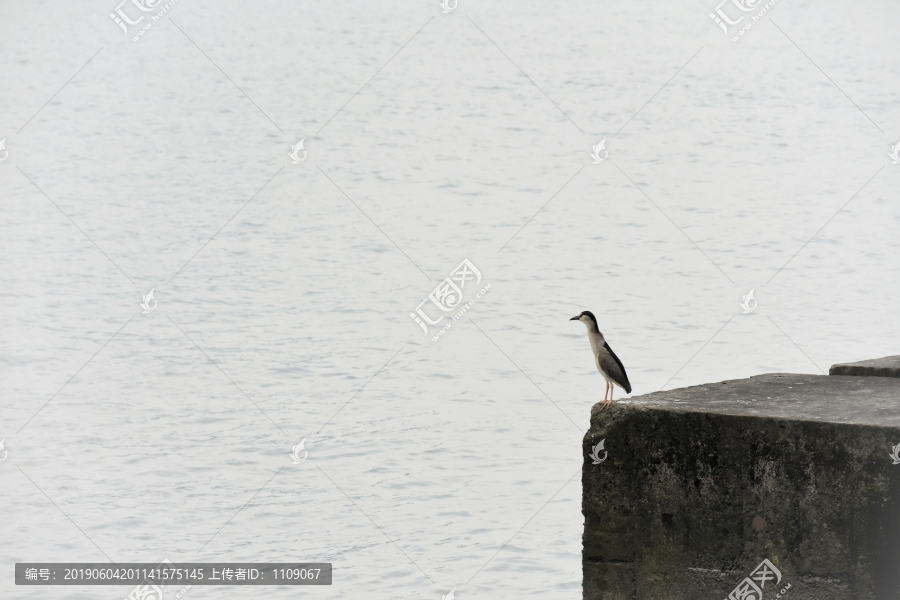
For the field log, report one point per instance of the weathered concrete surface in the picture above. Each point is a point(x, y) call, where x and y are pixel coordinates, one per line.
point(889, 366)
point(701, 484)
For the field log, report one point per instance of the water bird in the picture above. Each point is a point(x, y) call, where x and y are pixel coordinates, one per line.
point(605, 359)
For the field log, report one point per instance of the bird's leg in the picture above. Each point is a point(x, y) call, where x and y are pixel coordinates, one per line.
point(606, 394)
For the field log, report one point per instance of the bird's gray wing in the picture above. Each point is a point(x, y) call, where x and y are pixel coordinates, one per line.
point(611, 365)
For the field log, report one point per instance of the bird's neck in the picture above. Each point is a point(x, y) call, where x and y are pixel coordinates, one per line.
point(593, 329)
point(596, 339)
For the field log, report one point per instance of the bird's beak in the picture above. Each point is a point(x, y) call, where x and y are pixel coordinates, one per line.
point(575, 318)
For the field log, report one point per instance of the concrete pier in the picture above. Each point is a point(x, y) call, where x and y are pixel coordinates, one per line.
point(889, 366)
point(776, 486)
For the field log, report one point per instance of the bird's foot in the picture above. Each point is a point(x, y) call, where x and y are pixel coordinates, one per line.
point(606, 404)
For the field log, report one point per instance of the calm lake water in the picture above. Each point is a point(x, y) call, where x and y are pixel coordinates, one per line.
point(283, 290)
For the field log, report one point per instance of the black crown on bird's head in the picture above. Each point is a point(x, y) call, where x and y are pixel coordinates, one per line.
point(585, 313)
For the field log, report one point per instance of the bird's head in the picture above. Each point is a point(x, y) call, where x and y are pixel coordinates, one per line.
point(587, 317)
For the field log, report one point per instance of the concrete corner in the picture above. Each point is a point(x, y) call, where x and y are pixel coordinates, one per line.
point(699, 486)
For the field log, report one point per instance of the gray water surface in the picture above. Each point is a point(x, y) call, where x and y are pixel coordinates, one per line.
point(284, 290)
